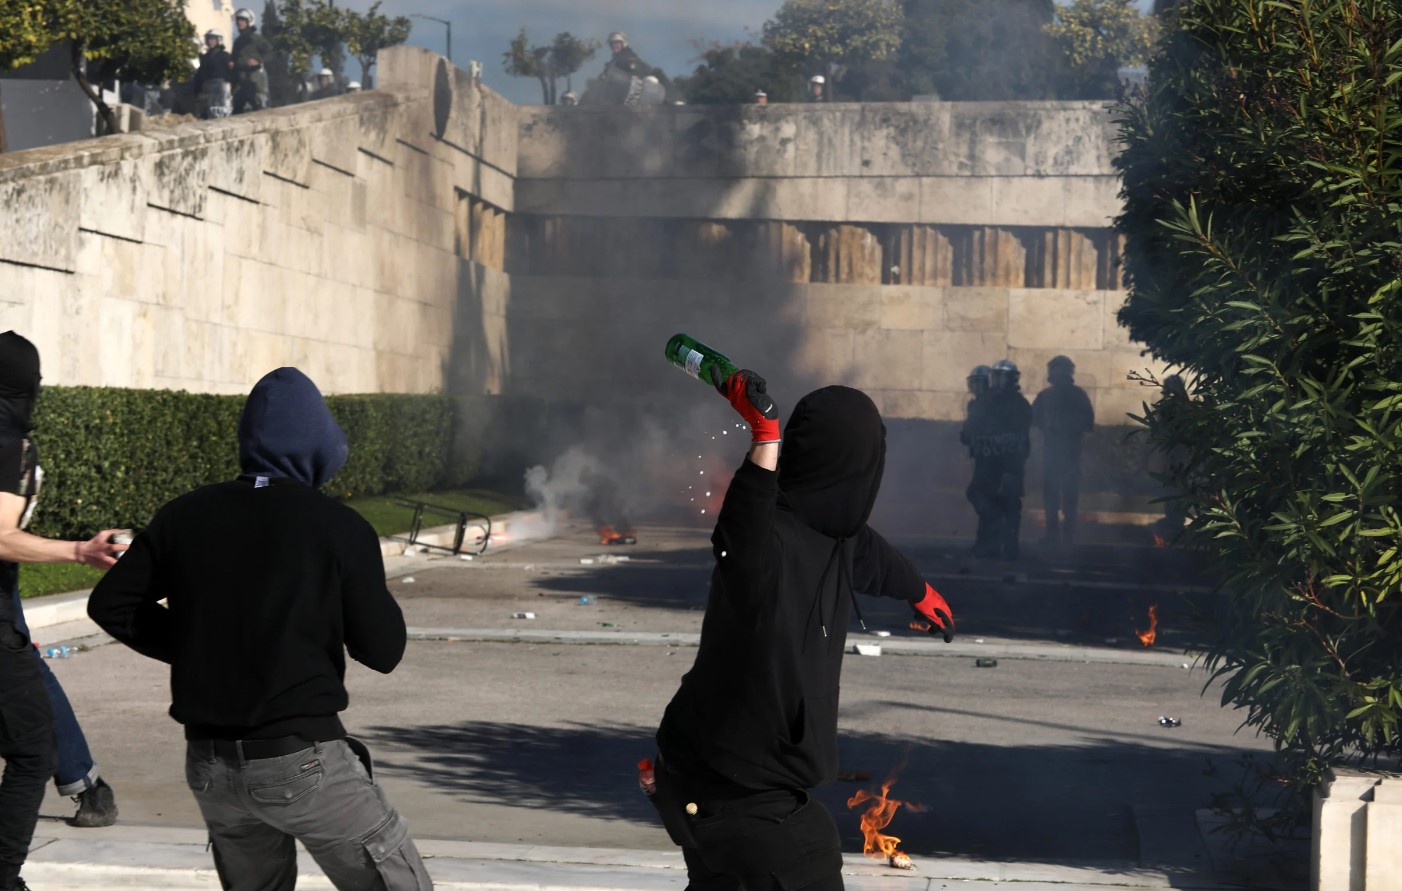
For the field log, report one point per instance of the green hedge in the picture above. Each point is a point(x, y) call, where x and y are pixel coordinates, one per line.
point(111, 457)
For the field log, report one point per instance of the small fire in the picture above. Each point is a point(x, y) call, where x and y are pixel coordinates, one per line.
point(1147, 638)
point(879, 813)
point(1160, 541)
point(917, 625)
point(609, 537)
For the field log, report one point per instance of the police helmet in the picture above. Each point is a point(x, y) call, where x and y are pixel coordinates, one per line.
point(617, 37)
point(1005, 375)
point(247, 15)
point(214, 34)
point(978, 378)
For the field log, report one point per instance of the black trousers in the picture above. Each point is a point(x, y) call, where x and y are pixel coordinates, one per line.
point(26, 744)
point(774, 840)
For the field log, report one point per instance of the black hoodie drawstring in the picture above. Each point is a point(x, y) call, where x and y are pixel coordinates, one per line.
point(844, 576)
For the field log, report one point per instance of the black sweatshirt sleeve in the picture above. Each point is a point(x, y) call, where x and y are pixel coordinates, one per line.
point(374, 624)
point(126, 605)
point(744, 530)
point(879, 570)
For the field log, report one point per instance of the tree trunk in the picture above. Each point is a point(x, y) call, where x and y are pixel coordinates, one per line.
point(544, 89)
point(366, 62)
point(79, 66)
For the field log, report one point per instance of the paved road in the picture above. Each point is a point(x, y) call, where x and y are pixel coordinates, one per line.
point(534, 743)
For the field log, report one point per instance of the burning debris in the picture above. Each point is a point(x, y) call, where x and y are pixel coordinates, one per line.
point(1160, 541)
point(608, 537)
point(1147, 638)
point(922, 627)
point(881, 809)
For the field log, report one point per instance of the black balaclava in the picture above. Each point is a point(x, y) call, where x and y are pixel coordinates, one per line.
point(286, 431)
point(831, 462)
point(19, 386)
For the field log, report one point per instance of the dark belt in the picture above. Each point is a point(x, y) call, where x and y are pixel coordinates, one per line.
point(252, 749)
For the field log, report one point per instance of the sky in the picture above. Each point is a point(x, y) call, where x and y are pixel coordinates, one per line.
point(664, 32)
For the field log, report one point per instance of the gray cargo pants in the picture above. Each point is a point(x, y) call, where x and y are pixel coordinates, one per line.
point(324, 796)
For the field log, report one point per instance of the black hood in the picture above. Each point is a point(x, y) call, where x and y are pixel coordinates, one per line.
point(287, 431)
point(831, 462)
point(19, 385)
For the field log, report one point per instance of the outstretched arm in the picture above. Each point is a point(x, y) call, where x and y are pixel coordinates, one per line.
point(746, 518)
point(880, 570)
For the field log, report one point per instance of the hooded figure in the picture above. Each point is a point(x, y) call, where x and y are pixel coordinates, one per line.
point(269, 583)
point(287, 432)
point(40, 737)
point(754, 725)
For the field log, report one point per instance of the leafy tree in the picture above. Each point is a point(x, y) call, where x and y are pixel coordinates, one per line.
point(561, 58)
point(367, 34)
point(827, 36)
point(27, 29)
point(1263, 180)
point(730, 75)
point(984, 50)
point(135, 40)
point(1099, 38)
point(314, 28)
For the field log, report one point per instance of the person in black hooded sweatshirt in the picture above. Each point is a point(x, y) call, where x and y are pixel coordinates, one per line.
point(268, 584)
point(754, 725)
point(40, 737)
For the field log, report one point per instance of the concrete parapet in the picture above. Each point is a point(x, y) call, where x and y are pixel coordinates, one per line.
point(1356, 828)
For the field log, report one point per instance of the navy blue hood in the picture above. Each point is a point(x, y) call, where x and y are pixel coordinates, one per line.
point(287, 431)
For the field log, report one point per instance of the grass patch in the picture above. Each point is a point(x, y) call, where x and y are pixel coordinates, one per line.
point(390, 518)
point(39, 579)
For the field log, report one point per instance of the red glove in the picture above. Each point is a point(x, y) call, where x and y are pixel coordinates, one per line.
point(747, 395)
point(934, 610)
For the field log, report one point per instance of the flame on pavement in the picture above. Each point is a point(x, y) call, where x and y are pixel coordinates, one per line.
point(609, 537)
point(1147, 638)
point(1160, 541)
point(917, 625)
point(881, 809)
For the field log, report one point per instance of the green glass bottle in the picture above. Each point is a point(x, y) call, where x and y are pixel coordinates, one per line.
point(697, 359)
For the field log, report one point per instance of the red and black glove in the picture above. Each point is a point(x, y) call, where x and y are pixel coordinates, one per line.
point(934, 610)
point(747, 395)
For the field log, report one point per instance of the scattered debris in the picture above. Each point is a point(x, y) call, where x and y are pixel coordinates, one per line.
point(408, 580)
point(866, 649)
point(1165, 721)
point(900, 860)
point(978, 640)
point(60, 652)
point(584, 601)
point(985, 663)
point(586, 561)
point(467, 557)
point(606, 625)
point(882, 633)
point(523, 615)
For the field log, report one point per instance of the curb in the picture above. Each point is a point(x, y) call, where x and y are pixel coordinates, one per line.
point(127, 856)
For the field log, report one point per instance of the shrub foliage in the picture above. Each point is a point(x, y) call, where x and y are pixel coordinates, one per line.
point(1263, 185)
point(111, 457)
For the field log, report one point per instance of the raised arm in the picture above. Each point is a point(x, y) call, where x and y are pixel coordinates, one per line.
point(743, 529)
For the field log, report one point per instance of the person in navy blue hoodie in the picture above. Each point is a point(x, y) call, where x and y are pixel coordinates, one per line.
point(754, 726)
point(268, 584)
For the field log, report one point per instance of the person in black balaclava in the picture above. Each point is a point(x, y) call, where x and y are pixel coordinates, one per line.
point(34, 712)
point(754, 726)
point(257, 644)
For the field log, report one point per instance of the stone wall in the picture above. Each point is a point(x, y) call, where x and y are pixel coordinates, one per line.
point(323, 235)
point(892, 247)
point(429, 235)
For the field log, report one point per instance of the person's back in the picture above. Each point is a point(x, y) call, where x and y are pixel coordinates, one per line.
point(754, 724)
point(1064, 415)
point(268, 583)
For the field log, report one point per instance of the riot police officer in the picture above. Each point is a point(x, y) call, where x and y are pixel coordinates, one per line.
point(972, 436)
point(251, 50)
point(1064, 414)
point(1001, 441)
